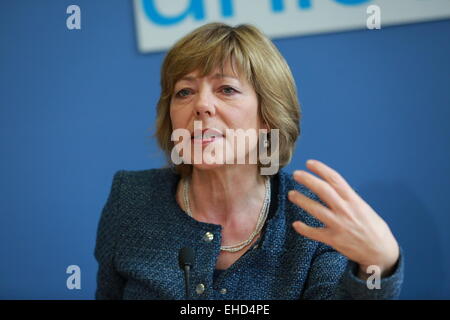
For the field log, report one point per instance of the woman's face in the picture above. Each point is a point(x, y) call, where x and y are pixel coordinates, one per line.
point(218, 101)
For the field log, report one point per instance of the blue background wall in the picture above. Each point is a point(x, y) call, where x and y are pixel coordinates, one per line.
point(76, 106)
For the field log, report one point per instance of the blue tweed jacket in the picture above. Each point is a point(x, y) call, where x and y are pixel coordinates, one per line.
point(142, 228)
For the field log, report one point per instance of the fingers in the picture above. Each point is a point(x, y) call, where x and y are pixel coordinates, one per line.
point(332, 177)
point(322, 189)
point(317, 234)
point(313, 207)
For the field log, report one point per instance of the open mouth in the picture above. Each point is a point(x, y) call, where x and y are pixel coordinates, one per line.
point(205, 140)
point(206, 136)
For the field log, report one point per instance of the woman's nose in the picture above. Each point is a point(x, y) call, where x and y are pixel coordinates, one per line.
point(204, 106)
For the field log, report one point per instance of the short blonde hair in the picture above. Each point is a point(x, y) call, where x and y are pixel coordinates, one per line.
point(257, 59)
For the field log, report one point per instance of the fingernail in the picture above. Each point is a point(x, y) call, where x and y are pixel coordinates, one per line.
point(310, 161)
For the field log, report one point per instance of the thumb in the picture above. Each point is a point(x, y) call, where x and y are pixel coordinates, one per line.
point(317, 234)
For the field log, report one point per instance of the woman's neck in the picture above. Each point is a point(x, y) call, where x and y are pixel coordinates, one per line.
point(226, 195)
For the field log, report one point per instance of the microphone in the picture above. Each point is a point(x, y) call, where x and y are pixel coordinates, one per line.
point(186, 261)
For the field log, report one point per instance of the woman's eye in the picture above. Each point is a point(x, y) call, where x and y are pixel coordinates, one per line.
point(183, 93)
point(228, 90)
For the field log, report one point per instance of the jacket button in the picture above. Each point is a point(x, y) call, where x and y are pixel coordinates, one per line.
point(208, 237)
point(200, 288)
point(223, 291)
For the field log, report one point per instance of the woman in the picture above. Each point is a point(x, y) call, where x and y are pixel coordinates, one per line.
point(254, 236)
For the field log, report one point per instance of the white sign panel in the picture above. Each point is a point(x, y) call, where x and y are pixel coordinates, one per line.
point(160, 23)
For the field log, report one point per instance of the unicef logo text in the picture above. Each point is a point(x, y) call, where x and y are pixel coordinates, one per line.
point(196, 9)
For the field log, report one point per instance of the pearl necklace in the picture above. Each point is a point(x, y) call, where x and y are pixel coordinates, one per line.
point(259, 225)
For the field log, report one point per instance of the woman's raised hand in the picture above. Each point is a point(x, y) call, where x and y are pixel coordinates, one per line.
point(352, 227)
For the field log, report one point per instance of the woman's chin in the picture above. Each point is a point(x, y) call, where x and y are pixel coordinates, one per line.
point(212, 162)
point(208, 166)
